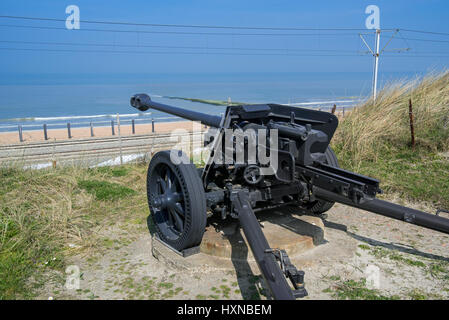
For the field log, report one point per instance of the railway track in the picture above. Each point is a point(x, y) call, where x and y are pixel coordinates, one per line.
point(89, 150)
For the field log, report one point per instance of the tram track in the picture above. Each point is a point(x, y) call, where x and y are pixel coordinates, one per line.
point(89, 149)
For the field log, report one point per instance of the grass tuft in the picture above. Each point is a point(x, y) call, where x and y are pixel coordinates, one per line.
point(104, 190)
point(42, 212)
point(374, 139)
point(357, 290)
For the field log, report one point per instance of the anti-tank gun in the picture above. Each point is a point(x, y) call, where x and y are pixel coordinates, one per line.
point(239, 179)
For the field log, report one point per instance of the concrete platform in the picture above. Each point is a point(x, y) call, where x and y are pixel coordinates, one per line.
point(295, 234)
point(224, 245)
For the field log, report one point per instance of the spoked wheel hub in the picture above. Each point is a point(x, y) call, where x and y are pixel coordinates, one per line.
point(177, 201)
point(168, 200)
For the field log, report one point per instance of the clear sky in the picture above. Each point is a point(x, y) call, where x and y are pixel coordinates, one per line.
point(49, 51)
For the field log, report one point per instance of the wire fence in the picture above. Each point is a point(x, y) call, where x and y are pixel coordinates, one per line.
point(68, 125)
point(115, 123)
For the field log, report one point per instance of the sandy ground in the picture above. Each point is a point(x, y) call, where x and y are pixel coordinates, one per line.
point(412, 263)
point(79, 133)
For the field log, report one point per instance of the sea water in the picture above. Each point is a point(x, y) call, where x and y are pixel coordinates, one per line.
point(55, 100)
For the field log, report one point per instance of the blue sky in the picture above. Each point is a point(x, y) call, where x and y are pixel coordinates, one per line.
point(429, 15)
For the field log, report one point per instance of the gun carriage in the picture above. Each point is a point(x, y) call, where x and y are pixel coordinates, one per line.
point(306, 176)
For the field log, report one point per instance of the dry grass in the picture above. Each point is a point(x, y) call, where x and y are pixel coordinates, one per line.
point(46, 215)
point(374, 139)
point(43, 211)
point(369, 128)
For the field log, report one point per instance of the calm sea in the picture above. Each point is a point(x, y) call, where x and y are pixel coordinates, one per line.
point(32, 100)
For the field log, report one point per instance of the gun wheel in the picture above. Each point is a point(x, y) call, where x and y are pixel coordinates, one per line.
point(320, 206)
point(177, 201)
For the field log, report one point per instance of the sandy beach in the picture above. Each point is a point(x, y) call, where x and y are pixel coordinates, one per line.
point(106, 131)
point(79, 133)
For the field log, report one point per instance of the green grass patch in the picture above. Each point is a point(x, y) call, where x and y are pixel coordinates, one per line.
point(165, 285)
point(14, 270)
point(43, 211)
point(439, 269)
point(417, 295)
point(23, 250)
point(357, 290)
point(417, 175)
point(104, 190)
point(120, 171)
point(379, 252)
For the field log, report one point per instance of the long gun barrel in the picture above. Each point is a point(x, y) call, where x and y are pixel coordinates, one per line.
point(143, 102)
point(307, 176)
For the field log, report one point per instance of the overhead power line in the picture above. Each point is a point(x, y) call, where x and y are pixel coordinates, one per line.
point(180, 52)
point(427, 32)
point(214, 26)
point(209, 53)
point(89, 44)
point(427, 40)
point(419, 56)
point(184, 25)
point(177, 32)
point(314, 32)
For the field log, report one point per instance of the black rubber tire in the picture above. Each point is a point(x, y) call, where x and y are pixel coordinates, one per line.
point(194, 201)
point(320, 206)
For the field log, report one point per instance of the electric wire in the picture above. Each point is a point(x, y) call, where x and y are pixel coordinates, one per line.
point(263, 51)
point(173, 32)
point(176, 52)
point(168, 47)
point(183, 25)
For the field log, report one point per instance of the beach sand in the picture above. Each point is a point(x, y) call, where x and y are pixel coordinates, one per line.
point(79, 133)
point(106, 131)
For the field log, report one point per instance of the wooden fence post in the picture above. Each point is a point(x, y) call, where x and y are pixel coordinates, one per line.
point(45, 132)
point(334, 108)
point(20, 133)
point(412, 128)
point(69, 131)
point(119, 139)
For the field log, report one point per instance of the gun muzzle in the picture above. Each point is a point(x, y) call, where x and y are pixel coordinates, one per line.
point(141, 101)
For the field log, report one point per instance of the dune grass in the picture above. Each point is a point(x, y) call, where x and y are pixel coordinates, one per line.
point(374, 139)
point(104, 190)
point(43, 211)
